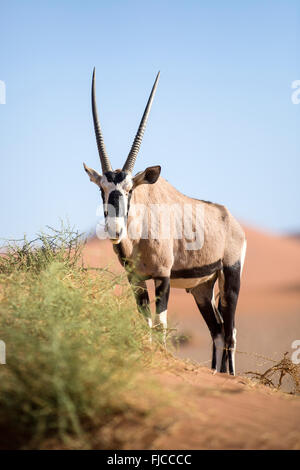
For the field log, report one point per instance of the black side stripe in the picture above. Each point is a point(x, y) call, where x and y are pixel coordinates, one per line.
point(199, 271)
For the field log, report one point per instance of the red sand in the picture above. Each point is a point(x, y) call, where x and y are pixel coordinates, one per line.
point(221, 412)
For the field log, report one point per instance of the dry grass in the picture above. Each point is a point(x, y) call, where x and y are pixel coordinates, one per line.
point(275, 375)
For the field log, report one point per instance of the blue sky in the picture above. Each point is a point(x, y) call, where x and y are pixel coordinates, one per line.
point(222, 125)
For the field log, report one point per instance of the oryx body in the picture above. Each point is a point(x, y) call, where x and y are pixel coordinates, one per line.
point(212, 249)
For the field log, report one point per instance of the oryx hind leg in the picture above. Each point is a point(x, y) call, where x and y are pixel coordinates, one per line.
point(204, 297)
point(229, 285)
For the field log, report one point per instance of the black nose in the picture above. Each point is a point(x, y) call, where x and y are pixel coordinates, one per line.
point(118, 234)
point(115, 235)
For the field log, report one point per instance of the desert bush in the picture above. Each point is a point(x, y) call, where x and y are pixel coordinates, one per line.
point(64, 244)
point(275, 375)
point(73, 348)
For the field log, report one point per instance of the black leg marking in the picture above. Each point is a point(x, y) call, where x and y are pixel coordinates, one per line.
point(162, 292)
point(203, 295)
point(214, 357)
point(142, 298)
point(229, 292)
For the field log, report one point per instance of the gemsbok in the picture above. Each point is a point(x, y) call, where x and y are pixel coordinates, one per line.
point(203, 242)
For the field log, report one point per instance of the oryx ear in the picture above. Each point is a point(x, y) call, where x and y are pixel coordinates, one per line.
point(93, 174)
point(148, 176)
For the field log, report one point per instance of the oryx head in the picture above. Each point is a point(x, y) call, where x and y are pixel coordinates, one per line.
point(117, 186)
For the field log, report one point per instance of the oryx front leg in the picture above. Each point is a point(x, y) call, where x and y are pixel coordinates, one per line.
point(162, 291)
point(142, 299)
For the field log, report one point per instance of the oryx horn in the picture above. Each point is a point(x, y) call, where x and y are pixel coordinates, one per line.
point(105, 163)
point(129, 164)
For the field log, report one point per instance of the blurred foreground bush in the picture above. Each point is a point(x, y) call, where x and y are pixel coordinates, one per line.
point(73, 347)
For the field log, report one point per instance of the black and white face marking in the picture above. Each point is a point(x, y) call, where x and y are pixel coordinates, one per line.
point(116, 188)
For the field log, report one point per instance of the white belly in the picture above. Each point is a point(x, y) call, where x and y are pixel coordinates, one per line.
point(189, 283)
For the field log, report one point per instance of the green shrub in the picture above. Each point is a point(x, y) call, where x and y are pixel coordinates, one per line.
point(64, 245)
point(73, 346)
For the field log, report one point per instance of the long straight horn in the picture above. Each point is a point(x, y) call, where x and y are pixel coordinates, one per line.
point(105, 163)
point(129, 164)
